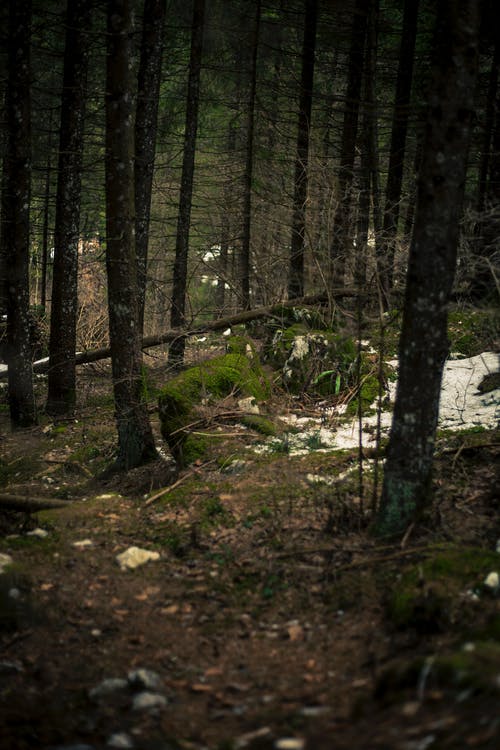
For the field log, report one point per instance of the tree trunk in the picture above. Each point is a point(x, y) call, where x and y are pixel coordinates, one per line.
point(245, 261)
point(146, 126)
point(15, 239)
point(397, 151)
point(297, 249)
point(62, 379)
point(492, 114)
point(135, 439)
point(482, 282)
point(423, 345)
point(46, 221)
point(340, 232)
point(369, 165)
point(177, 315)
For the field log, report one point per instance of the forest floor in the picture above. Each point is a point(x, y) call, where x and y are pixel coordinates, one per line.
point(273, 618)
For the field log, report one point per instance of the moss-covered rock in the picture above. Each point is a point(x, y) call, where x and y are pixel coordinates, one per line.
point(326, 363)
point(316, 361)
point(471, 669)
point(429, 596)
point(259, 424)
point(209, 381)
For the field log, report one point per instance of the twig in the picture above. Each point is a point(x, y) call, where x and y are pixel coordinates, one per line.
point(179, 481)
point(358, 563)
point(407, 535)
point(168, 489)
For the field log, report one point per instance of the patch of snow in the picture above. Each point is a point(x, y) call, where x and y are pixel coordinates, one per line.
point(462, 406)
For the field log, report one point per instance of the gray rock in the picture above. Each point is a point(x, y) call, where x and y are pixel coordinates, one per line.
point(146, 701)
point(108, 686)
point(10, 667)
point(144, 679)
point(120, 740)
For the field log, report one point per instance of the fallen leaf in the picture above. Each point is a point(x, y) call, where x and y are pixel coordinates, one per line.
point(295, 633)
point(201, 687)
point(214, 672)
point(172, 609)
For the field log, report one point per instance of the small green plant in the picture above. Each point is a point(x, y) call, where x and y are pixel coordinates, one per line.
point(313, 441)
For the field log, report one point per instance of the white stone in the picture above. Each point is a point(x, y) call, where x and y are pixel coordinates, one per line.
point(40, 533)
point(108, 686)
point(120, 739)
point(83, 543)
point(249, 405)
point(133, 557)
point(4, 561)
point(145, 678)
point(290, 743)
point(492, 581)
point(146, 700)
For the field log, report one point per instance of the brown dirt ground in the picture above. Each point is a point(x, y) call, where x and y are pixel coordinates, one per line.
point(266, 614)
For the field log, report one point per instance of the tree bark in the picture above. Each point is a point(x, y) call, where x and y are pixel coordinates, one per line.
point(62, 379)
point(245, 260)
point(340, 232)
point(423, 345)
point(482, 281)
point(177, 314)
point(146, 126)
point(397, 151)
point(297, 249)
point(135, 438)
point(15, 236)
point(369, 193)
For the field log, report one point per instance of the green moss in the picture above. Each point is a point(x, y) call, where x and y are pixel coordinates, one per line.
point(489, 383)
point(314, 361)
point(20, 469)
point(400, 507)
point(259, 424)
point(473, 670)
point(210, 380)
point(472, 330)
point(240, 344)
point(18, 611)
point(427, 594)
point(43, 545)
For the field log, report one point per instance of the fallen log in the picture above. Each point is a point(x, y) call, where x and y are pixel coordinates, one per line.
point(30, 504)
point(246, 316)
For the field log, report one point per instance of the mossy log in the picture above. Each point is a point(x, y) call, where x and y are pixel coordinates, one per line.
point(30, 504)
point(148, 342)
point(215, 378)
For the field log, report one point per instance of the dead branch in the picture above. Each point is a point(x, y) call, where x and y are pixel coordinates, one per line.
point(270, 311)
point(30, 504)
